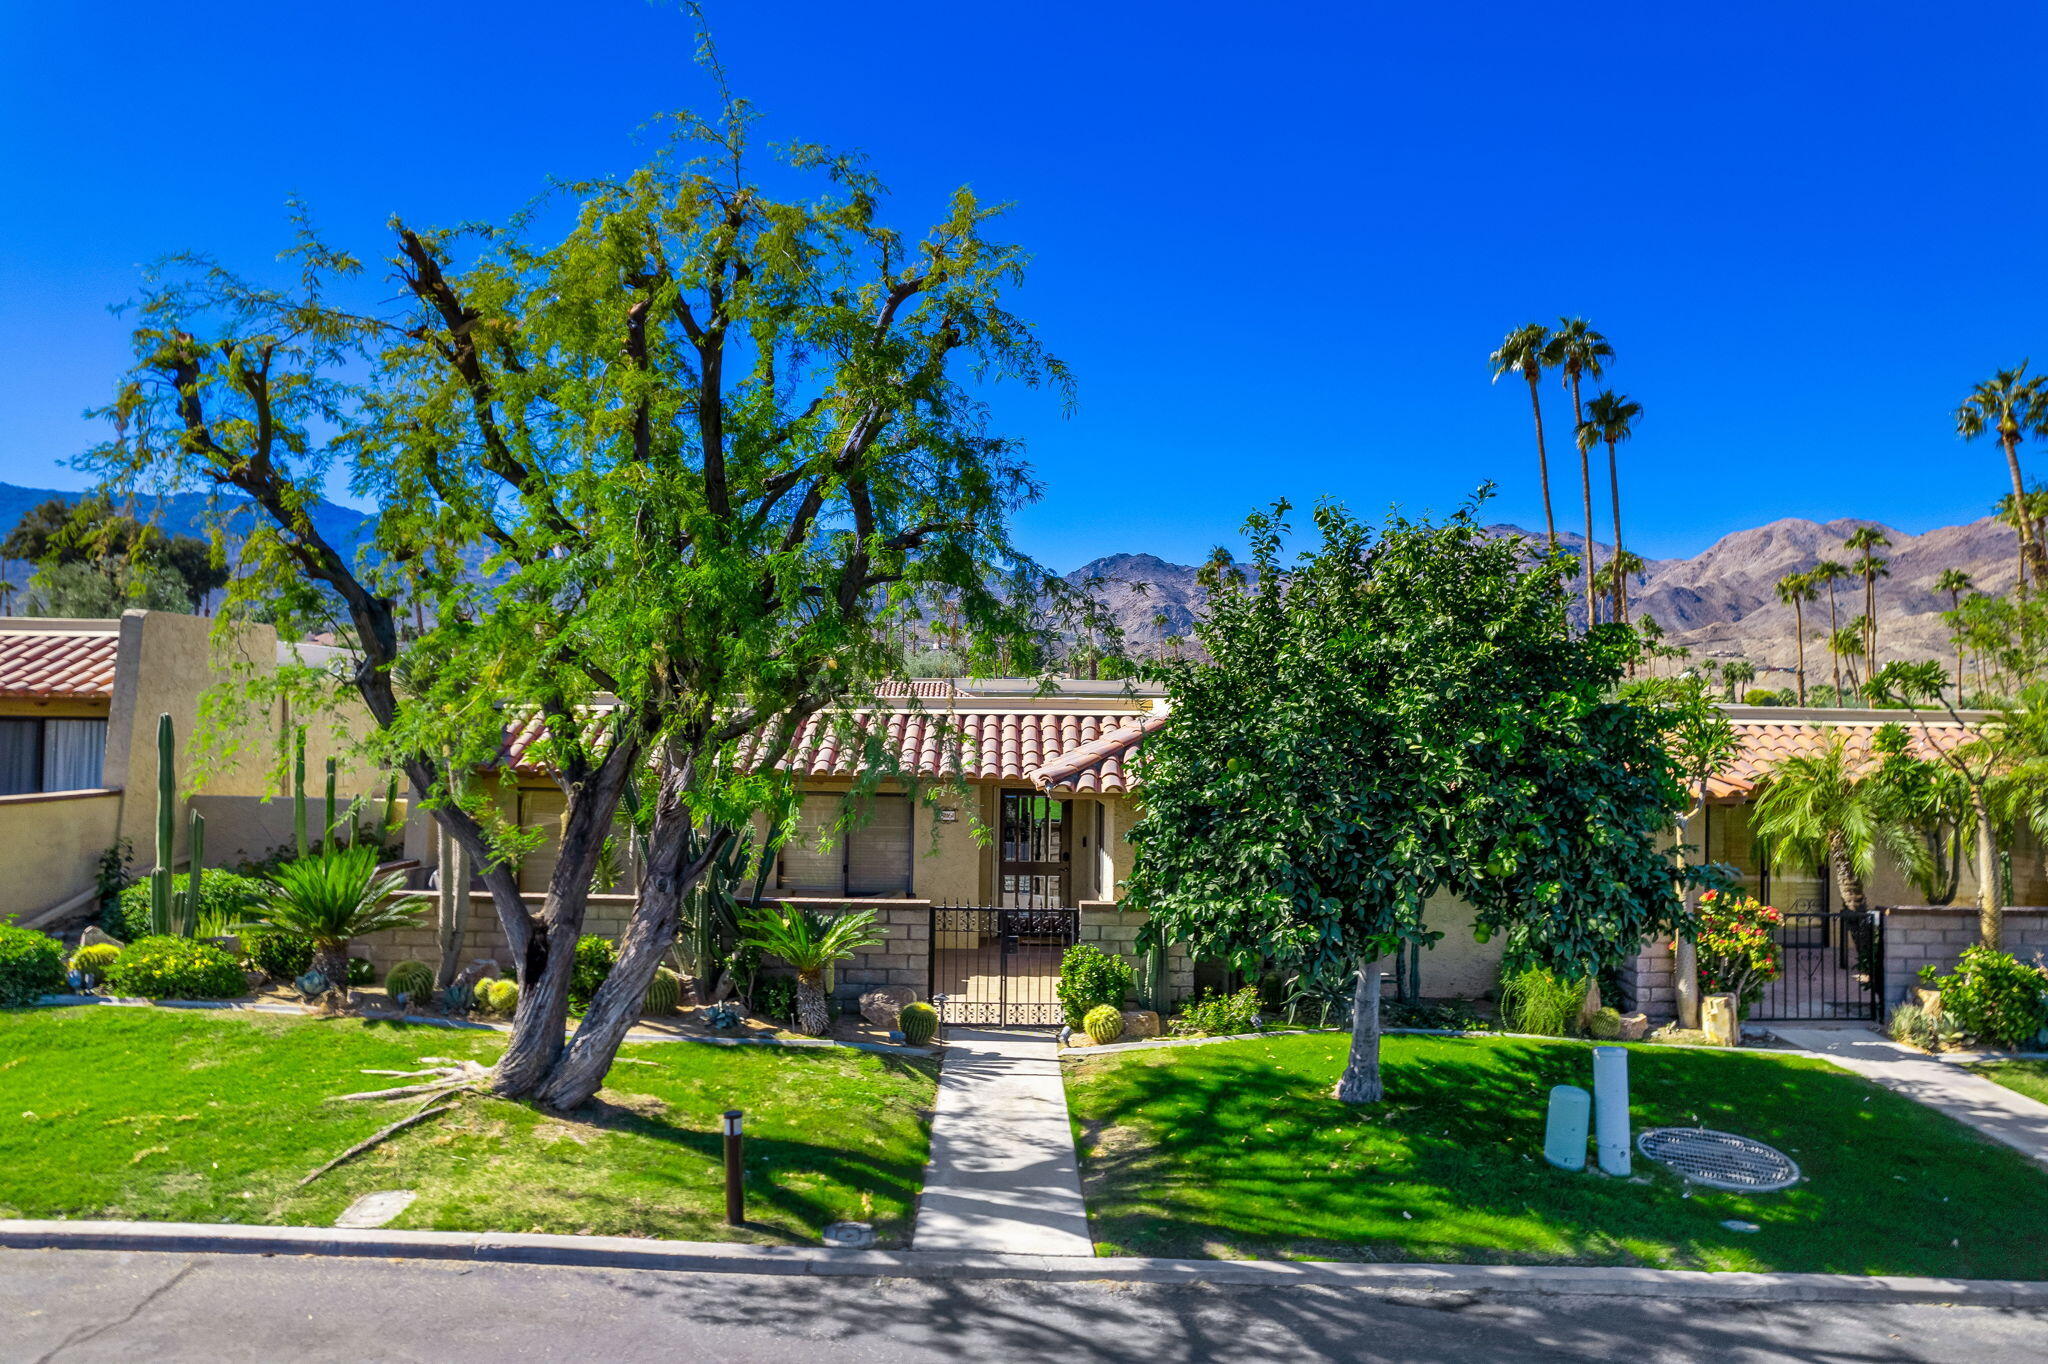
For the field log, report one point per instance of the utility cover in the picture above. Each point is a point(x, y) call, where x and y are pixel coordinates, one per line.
point(1719, 1160)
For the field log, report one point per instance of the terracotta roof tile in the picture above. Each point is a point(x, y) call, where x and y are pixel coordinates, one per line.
point(48, 664)
point(1765, 744)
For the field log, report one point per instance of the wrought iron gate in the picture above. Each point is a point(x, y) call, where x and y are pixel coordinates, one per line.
point(1833, 968)
point(1000, 966)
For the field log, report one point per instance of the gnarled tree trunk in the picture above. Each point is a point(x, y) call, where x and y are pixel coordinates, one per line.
point(1360, 1082)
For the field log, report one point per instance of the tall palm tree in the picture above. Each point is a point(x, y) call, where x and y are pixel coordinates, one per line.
point(1827, 573)
point(1864, 542)
point(1578, 353)
point(1522, 353)
point(810, 942)
point(1815, 811)
point(1612, 418)
point(1611, 580)
point(1846, 642)
point(1797, 589)
point(2010, 404)
point(2036, 514)
point(1737, 673)
point(1955, 582)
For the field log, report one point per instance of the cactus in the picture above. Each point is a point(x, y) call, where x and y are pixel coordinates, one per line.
point(664, 992)
point(161, 909)
point(412, 979)
point(188, 904)
point(1104, 1024)
point(919, 1022)
point(498, 996)
point(327, 830)
point(1605, 1024)
point(299, 790)
point(391, 821)
point(94, 959)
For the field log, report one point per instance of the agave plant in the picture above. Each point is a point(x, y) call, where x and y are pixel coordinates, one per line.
point(334, 897)
point(810, 942)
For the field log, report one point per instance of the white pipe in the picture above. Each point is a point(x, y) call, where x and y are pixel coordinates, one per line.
point(1610, 1108)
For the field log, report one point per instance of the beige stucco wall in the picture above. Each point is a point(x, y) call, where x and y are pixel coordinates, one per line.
point(50, 844)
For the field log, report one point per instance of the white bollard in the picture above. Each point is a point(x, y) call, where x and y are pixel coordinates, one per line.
point(1610, 1108)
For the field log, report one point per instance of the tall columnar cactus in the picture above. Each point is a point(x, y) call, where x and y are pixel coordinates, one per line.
point(391, 823)
point(188, 903)
point(327, 830)
point(161, 910)
point(299, 791)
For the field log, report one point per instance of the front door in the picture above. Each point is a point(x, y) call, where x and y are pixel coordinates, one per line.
point(1034, 850)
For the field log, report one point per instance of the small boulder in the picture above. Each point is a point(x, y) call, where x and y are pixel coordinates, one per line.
point(95, 934)
point(255, 980)
point(883, 1005)
point(1635, 1027)
point(1140, 1023)
point(477, 970)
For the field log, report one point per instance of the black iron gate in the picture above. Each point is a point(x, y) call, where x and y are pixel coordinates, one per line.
point(1833, 968)
point(1000, 966)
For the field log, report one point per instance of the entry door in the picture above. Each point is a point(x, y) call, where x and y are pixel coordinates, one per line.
point(1034, 850)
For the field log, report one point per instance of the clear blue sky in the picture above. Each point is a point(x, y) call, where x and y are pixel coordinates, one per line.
point(1275, 242)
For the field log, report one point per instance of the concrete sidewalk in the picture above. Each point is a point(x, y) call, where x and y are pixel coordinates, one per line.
point(1992, 1109)
point(1003, 1176)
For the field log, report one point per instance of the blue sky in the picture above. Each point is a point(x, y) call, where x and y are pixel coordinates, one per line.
point(1274, 242)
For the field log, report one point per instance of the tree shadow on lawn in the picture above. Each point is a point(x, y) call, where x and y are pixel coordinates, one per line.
point(1244, 1152)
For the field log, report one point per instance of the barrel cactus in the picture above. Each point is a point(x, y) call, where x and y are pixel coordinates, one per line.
point(664, 992)
point(94, 959)
point(412, 979)
point(498, 996)
point(1605, 1024)
point(919, 1022)
point(1104, 1024)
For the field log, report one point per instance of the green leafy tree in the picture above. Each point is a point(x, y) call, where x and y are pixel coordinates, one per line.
point(1578, 353)
point(1848, 643)
point(713, 442)
point(2011, 406)
point(1611, 419)
point(1390, 716)
point(1522, 352)
point(1931, 803)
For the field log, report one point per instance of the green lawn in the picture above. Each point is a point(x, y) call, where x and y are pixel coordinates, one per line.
point(2022, 1077)
point(206, 1117)
point(1236, 1150)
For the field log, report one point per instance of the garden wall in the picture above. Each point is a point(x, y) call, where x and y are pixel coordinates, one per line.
point(1922, 935)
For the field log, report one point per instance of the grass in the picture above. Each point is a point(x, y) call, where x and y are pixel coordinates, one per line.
point(2022, 1077)
point(167, 1115)
point(1236, 1150)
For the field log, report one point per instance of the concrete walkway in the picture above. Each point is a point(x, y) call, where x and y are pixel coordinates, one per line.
point(1992, 1109)
point(1003, 1175)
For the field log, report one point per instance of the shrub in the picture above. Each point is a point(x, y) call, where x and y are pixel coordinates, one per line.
point(225, 897)
point(1535, 1000)
point(175, 968)
point(1914, 1026)
point(1104, 1024)
point(361, 972)
point(412, 979)
point(1738, 950)
point(595, 958)
point(498, 996)
point(775, 998)
point(918, 1022)
point(31, 965)
point(279, 955)
point(664, 992)
point(1220, 1015)
point(1994, 997)
point(94, 960)
point(1605, 1024)
point(1454, 1015)
point(1090, 977)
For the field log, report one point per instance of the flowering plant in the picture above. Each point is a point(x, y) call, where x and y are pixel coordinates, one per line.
point(1739, 952)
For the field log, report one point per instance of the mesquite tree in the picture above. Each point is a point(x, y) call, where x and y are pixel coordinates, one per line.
point(1394, 715)
point(665, 481)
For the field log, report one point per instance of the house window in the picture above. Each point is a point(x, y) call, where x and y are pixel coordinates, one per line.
point(872, 859)
point(51, 755)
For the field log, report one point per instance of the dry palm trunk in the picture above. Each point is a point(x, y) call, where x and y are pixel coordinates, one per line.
point(1542, 456)
point(813, 1015)
point(2033, 554)
point(1851, 885)
point(1360, 1082)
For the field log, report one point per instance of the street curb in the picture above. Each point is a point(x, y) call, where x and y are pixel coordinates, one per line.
point(712, 1257)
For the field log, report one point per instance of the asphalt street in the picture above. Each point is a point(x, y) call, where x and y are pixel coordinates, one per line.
point(118, 1305)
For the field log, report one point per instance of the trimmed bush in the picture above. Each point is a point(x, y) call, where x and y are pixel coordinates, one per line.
point(93, 960)
point(31, 966)
point(1103, 1024)
point(1996, 998)
point(498, 996)
point(664, 992)
point(1220, 1015)
point(1090, 977)
point(175, 968)
point(595, 958)
point(230, 896)
point(279, 955)
point(918, 1022)
point(413, 979)
point(1605, 1024)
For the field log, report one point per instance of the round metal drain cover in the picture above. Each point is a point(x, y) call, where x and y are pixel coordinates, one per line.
point(850, 1235)
point(1719, 1160)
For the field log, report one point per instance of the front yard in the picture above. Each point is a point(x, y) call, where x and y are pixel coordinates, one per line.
point(158, 1114)
point(1236, 1150)
point(2021, 1077)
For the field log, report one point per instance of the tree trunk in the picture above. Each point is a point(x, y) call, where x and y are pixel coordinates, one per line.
point(1869, 623)
point(1834, 654)
point(1799, 633)
point(1542, 459)
point(1620, 578)
point(331, 960)
point(1586, 487)
point(1685, 971)
point(1360, 1083)
point(1846, 879)
point(2032, 551)
point(813, 1014)
point(452, 905)
point(1990, 914)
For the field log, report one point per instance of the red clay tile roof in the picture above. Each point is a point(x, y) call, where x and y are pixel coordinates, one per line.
point(1101, 767)
point(1764, 744)
point(49, 664)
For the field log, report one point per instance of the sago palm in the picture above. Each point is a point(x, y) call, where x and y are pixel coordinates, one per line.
point(1797, 589)
point(1955, 582)
point(1816, 811)
point(810, 942)
point(333, 898)
point(1578, 353)
point(2011, 405)
point(1613, 417)
point(1522, 353)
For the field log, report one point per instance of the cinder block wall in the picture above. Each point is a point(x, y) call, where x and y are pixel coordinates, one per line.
point(1649, 982)
point(1115, 930)
point(1916, 936)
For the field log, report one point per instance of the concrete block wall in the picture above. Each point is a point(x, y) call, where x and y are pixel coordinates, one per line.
point(1116, 930)
point(1916, 936)
point(1649, 982)
point(482, 937)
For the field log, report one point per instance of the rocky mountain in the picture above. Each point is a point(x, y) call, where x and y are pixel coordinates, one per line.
point(184, 513)
point(1721, 603)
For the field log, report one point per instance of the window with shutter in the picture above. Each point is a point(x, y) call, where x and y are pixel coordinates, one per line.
point(804, 869)
point(878, 852)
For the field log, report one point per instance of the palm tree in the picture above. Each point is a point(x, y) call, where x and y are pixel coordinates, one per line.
point(1522, 353)
point(1814, 811)
point(810, 942)
point(333, 898)
point(1827, 573)
point(1955, 582)
point(2010, 404)
point(1578, 353)
point(1872, 568)
point(1612, 417)
point(1618, 569)
point(1846, 642)
point(2036, 513)
point(1797, 589)
point(1737, 673)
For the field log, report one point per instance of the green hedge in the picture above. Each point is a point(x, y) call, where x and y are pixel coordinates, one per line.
point(175, 968)
point(230, 894)
point(31, 965)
